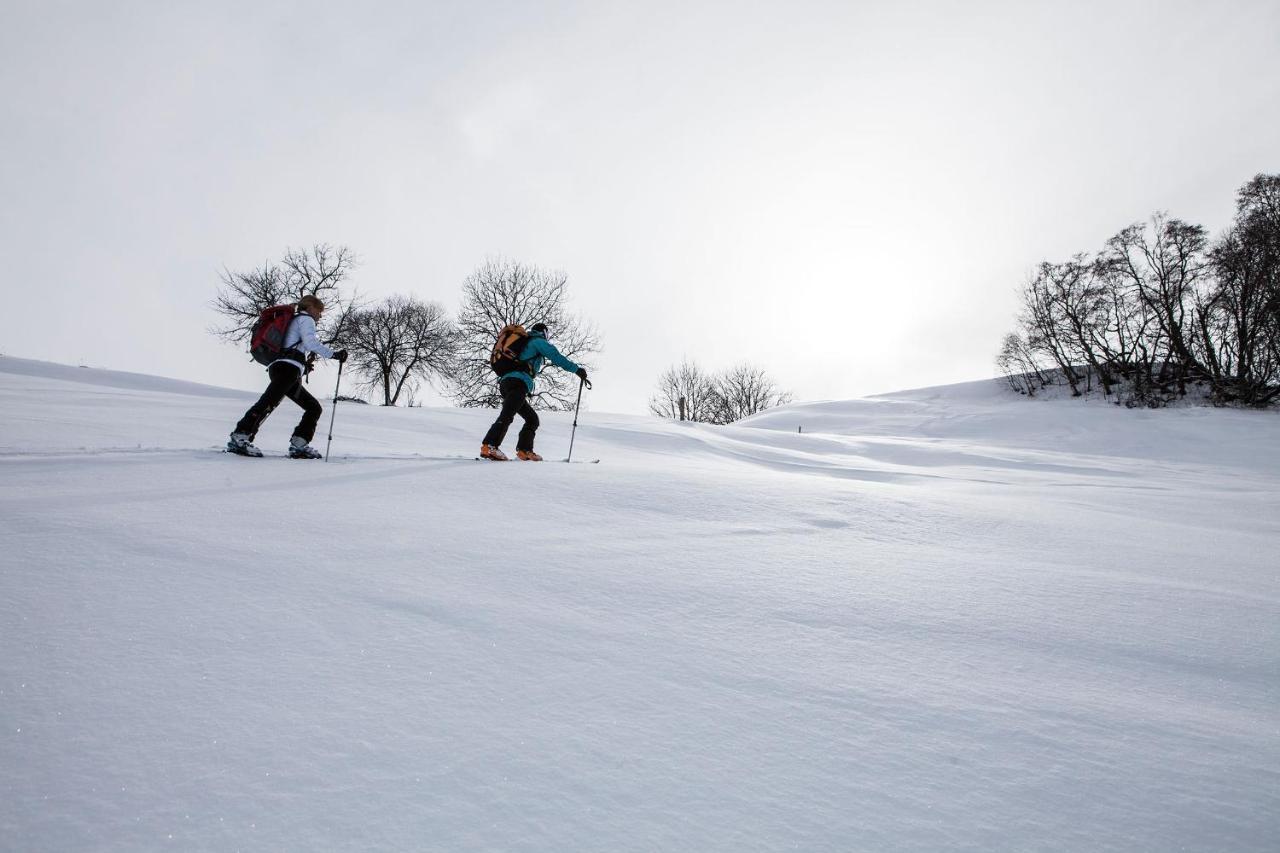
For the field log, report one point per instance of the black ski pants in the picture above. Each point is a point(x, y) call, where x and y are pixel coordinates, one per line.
point(515, 401)
point(286, 381)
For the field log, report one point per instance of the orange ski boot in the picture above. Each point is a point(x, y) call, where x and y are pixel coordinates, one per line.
point(493, 454)
point(528, 456)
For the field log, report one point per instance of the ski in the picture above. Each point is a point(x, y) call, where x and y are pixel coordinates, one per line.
point(389, 458)
point(262, 455)
point(353, 457)
point(562, 461)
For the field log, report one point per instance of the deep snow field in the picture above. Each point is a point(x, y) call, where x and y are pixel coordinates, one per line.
point(949, 619)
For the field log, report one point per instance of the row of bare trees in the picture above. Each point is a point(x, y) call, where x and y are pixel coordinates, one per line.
point(400, 343)
point(687, 392)
point(1162, 311)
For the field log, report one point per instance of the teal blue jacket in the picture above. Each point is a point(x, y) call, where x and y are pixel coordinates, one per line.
point(537, 353)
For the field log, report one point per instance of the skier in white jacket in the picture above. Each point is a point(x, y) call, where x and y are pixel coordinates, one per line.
point(286, 374)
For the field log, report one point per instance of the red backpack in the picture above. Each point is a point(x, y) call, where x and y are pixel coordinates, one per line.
point(267, 337)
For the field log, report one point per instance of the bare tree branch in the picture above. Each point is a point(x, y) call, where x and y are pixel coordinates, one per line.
point(1161, 309)
point(689, 381)
point(320, 271)
point(503, 291)
point(400, 343)
point(746, 390)
point(722, 398)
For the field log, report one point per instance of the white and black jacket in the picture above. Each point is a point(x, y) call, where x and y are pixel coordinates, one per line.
point(299, 340)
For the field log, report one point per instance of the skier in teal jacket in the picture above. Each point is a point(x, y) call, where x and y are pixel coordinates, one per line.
point(516, 387)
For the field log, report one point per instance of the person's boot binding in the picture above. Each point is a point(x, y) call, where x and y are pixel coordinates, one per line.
point(299, 449)
point(239, 443)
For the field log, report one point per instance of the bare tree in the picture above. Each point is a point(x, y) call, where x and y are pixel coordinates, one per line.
point(1066, 319)
point(1043, 321)
point(1018, 364)
point(691, 383)
point(321, 271)
point(1165, 265)
point(503, 291)
point(746, 390)
point(400, 343)
point(1240, 319)
point(689, 391)
point(1161, 310)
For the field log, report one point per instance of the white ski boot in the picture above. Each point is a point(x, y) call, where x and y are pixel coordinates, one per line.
point(299, 449)
point(241, 444)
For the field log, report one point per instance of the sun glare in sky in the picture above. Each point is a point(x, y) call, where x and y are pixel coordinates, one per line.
point(847, 194)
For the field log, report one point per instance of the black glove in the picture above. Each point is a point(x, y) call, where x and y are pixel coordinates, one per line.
point(341, 356)
point(582, 373)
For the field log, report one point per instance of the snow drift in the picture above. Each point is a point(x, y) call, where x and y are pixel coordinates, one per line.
point(943, 619)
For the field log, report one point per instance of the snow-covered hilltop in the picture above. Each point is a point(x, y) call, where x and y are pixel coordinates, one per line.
point(943, 619)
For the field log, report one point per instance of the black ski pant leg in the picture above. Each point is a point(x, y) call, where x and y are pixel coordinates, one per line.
point(283, 378)
point(311, 411)
point(524, 441)
point(514, 400)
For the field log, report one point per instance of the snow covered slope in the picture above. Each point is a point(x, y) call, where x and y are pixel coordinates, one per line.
point(949, 619)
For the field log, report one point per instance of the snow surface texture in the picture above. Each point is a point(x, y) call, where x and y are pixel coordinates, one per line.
point(951, 619)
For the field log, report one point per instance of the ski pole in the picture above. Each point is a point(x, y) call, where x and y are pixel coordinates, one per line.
point(333, 413)
point(577, 406)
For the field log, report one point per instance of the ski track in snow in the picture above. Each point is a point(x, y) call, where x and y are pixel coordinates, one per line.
point(947, 619)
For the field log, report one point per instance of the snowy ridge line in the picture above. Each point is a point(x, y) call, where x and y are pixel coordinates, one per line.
point(79, 452)
point(925, 460)
point(893, 460)
point(122, 379)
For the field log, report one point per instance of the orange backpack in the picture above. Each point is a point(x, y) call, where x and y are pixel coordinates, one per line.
point(505, 357)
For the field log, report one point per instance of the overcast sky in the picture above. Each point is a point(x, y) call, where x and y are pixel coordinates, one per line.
point(848, 194)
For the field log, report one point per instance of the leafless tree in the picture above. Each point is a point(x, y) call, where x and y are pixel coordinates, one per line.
point(1043, 321)
point(321, 271)
point(718, 398)
point(503, 291)
point(1240, 319)
point(1165, 265)
point(398, 344)
point(1161, 309)
point(746, 390)
point(1068, 319)
point(687, 381)
point(1019, 365)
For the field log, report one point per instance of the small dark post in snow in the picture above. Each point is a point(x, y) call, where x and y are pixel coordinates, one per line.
point(681, 401)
